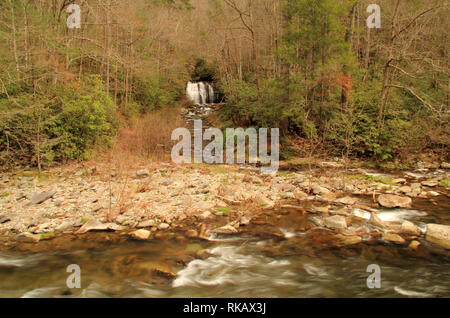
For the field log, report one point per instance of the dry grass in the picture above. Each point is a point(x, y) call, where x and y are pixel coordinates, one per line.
point(148, 137)
point(144, 143)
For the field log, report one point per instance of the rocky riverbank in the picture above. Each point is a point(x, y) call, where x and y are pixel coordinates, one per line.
point(200, 201)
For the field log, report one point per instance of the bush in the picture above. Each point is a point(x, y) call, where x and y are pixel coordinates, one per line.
point(58, 125)
point(151, 96)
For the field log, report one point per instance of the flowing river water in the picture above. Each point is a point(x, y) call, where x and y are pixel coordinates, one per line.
point(273, 259)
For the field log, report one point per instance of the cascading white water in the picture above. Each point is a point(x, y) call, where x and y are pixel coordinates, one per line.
point(201, 93)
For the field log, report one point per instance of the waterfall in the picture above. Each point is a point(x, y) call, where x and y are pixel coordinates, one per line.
point(201, 93)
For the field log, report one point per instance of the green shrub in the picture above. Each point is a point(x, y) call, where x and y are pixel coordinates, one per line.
point(62, 124)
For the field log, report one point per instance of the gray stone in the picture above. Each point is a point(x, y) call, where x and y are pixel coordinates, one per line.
point(39, 198)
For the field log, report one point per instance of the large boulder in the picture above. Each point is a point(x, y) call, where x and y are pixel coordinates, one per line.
point(394, 201)
point(438, 234)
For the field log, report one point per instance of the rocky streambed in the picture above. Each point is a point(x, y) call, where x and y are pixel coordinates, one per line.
point(164, 230)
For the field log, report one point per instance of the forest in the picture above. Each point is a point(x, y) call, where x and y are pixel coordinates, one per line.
point(312, 68)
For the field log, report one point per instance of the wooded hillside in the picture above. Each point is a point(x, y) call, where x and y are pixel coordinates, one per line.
point(310, 67)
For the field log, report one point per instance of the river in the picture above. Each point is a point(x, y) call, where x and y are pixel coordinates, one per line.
point(278, 259)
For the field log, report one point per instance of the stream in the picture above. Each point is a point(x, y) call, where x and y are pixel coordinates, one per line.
point(277, 259)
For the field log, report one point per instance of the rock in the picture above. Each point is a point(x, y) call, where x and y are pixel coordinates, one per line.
point(430, 183)
point(265, 202)
point(94, 225)
point(141, 234)
point(122, 219)
point(414, 245)
point(206, 215)
point(148, 223)
point(394, 201)
point(335, 222)
point(284, 187)
point(58, 201)
point(321, 209)
point(221, 204)
point(143, 173)
point(115, 227)
point(226, 229)
point(317, 189)
point(399, 180)
point(251, 179)
point(331, 164)
point(28, 237)
point(433, 193)
point(409, 228)
point(375, 220)
point(438, 234)
point(392, 237)
point(317, 221)
point(445, 165)
point(300, 195)
point(163, 226)
point(39, 198)
point(65, 226)
point(191, 233)
point(6, 218)
point(245, 220)
point(404, 190)
point(349, 240)
point(347, 200)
